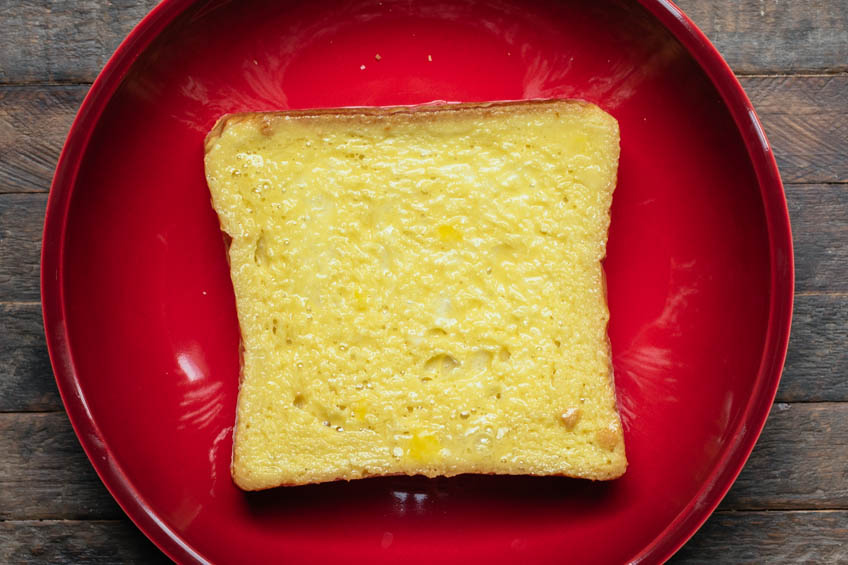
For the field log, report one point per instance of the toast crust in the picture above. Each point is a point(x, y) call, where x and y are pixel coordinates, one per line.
point(372, 114)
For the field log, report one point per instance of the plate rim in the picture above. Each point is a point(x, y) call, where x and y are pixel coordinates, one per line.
point(688, 520)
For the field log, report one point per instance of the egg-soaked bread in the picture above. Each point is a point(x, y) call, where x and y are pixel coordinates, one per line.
point(420, 290)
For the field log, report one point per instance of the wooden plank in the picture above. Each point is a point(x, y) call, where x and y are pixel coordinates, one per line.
point(819, 216)
point(799, 461)
point(44, 473)
point(63, 40)
point(26, 379)
point(33, 124)
point(806, 121)
point(21, 219)
point(775, 35)
point(49, 40)
point(815, 367)
point(804, 118)
point(727, 537)
point(817, 360)
point(76, 542)
point(768, 537)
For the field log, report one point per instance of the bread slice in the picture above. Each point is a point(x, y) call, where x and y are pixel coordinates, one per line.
point(420, 290)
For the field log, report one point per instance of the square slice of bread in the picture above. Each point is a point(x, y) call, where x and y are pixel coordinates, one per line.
point(420, 290)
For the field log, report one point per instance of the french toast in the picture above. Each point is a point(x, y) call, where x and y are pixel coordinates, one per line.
point(420, 290)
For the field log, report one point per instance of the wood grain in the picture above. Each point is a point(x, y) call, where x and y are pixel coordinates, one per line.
point(34, 122)
point(76, 542)
point(64, 41)
point(21, 218)
point(804, 117)
point(26, 379)
point(819, 216)
point(817, 361)
point(45, 475)
point(768, 537)
point(806, 121)
point(785, 473)
point(767, 36)
point(727, 537)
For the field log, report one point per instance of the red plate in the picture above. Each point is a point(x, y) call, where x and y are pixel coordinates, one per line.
point(140, 316)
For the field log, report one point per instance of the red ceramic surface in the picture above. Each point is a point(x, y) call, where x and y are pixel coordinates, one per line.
point(140, 315)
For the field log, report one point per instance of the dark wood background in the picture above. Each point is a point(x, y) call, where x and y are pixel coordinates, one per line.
point(789, 505)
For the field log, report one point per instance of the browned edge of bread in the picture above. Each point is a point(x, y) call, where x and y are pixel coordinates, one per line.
point(376, 112)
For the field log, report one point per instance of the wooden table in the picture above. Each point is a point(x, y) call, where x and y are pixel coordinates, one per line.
point(789, 505)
